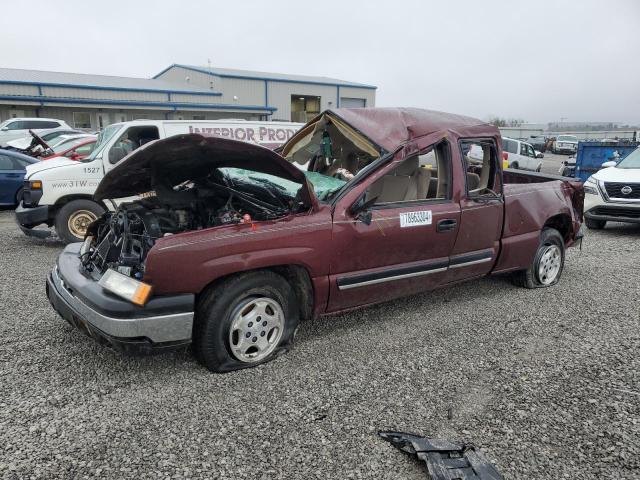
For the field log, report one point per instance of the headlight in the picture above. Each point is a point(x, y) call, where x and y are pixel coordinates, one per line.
point(125, 287)
point(590, 186)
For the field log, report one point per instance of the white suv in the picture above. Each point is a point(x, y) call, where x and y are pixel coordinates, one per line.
point(613, 193)
point(520, 155)
point(19, 127)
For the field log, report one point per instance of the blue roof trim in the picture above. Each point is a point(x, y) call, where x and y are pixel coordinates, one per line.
point(112, 89)
point(270, 79)
point(172, 105)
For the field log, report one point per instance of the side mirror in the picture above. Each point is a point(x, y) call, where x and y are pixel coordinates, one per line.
point(361, 210)
point(74, 156)
point(608, 164)
point(540, 155)
point(116, 154)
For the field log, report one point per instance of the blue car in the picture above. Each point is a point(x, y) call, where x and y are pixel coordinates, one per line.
point(12, 170)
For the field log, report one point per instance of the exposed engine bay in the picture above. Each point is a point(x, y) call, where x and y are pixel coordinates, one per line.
point(122, 239)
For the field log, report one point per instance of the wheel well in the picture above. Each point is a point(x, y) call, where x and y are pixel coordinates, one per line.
point(562, 223)
point(297, 276)
point(69, 198)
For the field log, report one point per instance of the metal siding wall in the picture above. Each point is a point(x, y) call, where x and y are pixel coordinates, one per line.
point(367, 93)
point(197, 79)
point(280, 97)
point(188, 115)
point(5, 111)
point(65, 92)
point(181, 97)
point(18, 90)
point(249, 92)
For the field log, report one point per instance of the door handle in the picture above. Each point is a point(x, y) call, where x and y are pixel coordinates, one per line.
point(446, 225)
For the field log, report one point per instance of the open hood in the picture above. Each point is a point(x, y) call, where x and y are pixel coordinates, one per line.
point(189, 157)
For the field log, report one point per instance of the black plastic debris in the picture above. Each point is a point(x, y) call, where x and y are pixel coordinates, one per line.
point(445, 460)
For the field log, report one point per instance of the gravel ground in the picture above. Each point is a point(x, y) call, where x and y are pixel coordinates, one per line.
point(551, 162)
point(546, 382)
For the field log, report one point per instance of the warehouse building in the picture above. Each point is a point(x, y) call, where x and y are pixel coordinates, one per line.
point(182, 92)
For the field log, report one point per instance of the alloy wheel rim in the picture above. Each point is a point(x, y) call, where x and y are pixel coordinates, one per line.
point(549, 265)
point(256, 329)
point(79, 221)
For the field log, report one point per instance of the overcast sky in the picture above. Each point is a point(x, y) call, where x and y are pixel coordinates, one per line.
point(536, 60)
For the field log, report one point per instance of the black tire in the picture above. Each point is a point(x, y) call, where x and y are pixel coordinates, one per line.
point(19, 195)
point(593, 224)
point(218, 307)
point(84, 210)
point(531, 277)
point(514, 165)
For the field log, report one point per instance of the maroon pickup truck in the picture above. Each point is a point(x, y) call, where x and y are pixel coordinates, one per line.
point(230, 244)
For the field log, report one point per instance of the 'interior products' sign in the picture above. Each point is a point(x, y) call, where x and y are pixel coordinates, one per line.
point(259, 135)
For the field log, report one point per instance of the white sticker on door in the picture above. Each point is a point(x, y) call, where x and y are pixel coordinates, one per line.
point(415, 219)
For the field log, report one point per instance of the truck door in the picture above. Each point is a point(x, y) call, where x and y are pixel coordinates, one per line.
point(404, 247)
point(481, 212)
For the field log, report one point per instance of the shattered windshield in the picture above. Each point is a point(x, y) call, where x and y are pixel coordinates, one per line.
point(332, 154)
point(323, 185)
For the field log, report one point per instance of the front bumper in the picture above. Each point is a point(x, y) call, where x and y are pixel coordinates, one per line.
point(164, 322)
point(568, 150)
point(29, 217)
point(614, 213)
point(596, 208)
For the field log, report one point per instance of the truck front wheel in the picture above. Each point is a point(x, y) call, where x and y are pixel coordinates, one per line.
point(247, 320)
point(74, 217)
point(548, 262)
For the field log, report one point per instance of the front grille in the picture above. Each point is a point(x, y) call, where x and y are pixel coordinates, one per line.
point(614, 190)
point(617, 212)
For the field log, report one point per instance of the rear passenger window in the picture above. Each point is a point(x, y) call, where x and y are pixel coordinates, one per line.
point(418, 178)
point(480, 158)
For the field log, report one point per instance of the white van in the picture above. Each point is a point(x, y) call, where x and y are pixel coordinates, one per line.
point(59, 192)
point(520, 155)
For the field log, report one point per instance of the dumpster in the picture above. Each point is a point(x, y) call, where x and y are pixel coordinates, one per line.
point(591, 155)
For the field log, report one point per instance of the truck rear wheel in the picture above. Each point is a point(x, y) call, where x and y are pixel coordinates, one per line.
point(548, 262)
point(245, 321)
point(74, 217)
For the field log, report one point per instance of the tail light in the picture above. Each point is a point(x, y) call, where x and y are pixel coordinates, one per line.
point(505, 156)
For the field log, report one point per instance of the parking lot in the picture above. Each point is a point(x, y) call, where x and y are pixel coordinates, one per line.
point(545, 381)
point(551, 162)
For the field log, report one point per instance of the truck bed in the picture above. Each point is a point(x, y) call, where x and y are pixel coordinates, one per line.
point(532, 201)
